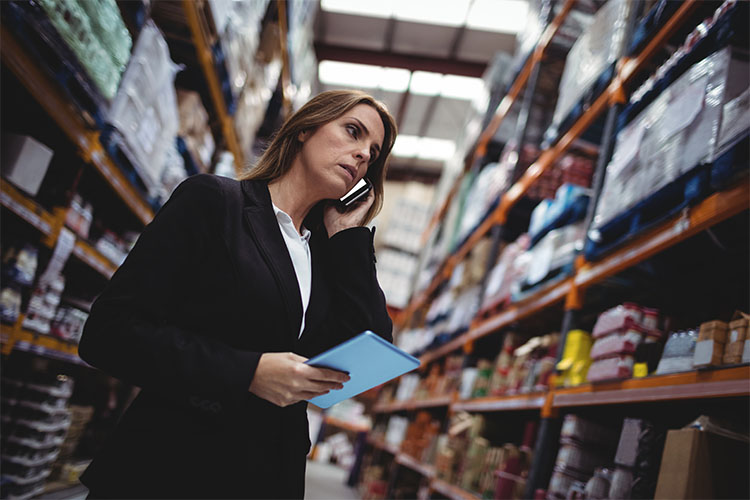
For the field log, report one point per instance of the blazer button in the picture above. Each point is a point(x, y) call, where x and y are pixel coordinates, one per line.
point(195, 402)
point(216, 407)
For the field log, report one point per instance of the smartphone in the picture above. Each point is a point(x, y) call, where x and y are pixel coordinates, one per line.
point(358, 193)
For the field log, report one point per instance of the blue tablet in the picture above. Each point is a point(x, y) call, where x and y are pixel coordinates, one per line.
point(369, 360)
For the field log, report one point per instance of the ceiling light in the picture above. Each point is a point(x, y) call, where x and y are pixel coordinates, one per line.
point(349, 74)
point(405, 146)
point(394, 79)
point(502, 16)
point(373, 8)
point(461, 87)
point(425, 83)
point(435, 149)
point(446, 13)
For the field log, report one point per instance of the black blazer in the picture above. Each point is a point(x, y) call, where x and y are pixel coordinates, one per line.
point(206, 290)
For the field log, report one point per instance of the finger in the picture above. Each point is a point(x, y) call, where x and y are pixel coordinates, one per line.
point(303, 395)
point(322, 386)
point(296, 357)
point(327, 375)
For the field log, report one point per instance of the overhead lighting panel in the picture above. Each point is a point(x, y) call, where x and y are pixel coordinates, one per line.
point(501, 16)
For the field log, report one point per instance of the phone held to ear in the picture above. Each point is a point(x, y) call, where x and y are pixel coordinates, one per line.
point(358, 193)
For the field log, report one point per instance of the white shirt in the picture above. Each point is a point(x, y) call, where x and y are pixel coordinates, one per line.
point(299, 251)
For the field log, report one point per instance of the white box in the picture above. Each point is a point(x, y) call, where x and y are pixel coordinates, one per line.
point(25, 161)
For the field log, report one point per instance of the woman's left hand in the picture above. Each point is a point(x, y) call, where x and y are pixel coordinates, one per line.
point(336, 221)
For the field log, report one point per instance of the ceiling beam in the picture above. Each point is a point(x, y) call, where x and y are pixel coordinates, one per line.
point(395, 60)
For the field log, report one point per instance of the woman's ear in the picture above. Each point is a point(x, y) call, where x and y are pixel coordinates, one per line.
point(303, 135)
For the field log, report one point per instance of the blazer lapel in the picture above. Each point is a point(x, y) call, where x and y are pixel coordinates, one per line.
point(264, 228)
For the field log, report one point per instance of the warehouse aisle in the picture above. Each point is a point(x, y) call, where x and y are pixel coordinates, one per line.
point(327, 482)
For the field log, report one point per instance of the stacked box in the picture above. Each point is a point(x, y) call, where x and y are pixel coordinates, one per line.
point(676, 132)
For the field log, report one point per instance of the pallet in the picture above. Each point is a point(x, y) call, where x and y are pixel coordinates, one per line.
point(35, 31)
point(685, 191)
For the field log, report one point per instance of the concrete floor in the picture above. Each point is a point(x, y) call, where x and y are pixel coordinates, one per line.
point(327, 482)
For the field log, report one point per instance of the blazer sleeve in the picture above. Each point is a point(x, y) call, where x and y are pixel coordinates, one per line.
point(126, 334)
point(357, 301)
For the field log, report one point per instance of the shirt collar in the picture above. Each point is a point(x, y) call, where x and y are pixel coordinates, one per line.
point(284, 218)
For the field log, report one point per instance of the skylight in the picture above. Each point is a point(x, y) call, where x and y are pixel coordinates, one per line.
point(425, 83)
point(426, 148)
point(501, 16)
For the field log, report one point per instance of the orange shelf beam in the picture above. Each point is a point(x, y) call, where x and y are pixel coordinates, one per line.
point(200, 37)
point(721, 382)
point(412, 463)
point(505, 403)
point(451, 491)
point(714, 209)
point(343, 424)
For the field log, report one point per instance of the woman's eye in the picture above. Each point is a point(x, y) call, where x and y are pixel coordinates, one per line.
point(352, 130)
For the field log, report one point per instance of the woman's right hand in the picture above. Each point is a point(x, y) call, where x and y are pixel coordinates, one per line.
point(283, 378)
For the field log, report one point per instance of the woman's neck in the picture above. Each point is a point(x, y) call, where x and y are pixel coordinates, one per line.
point(291, 195)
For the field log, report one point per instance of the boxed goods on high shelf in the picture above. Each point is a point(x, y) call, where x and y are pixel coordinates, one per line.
point(36, 419)
point(96, 34)
point(590, 64)
point(662, 158)
point(25, 161)
point(143, 119)
point(303, 63)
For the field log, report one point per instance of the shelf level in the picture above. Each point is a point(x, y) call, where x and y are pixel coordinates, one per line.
point(722, 382)
point(505, 403)
point(382, 445)
point(50, 347)
point(343, 424)
point(48, 225)
point(714, 209)
point(523, 309)
point(68, 118)
point(412, 463)
point(27, 209)
point(415, 404)
point(451, 491)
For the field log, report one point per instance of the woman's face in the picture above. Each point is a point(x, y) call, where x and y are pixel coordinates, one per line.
point(336, 155)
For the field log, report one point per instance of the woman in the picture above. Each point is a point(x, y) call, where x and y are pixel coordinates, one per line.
point(228, 291)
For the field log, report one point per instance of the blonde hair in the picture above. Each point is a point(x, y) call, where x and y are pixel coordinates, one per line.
point(321, 109)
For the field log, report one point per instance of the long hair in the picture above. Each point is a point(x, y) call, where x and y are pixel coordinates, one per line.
point(321, 109)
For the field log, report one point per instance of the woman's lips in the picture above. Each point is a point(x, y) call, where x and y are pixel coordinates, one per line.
point(349, 170)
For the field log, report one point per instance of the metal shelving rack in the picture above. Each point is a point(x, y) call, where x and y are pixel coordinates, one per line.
point(724, 382)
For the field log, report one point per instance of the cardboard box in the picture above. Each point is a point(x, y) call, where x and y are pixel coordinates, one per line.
point(698, 464)
point(713, 330)
point(733, 352)
point(708, 353)
point(746, 352)
point(24, 161)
